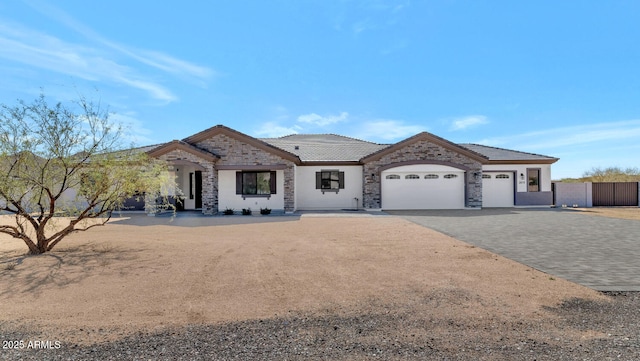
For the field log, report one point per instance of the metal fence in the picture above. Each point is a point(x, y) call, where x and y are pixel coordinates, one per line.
point(615, 194)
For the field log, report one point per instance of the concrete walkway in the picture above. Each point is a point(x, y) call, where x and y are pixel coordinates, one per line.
point(597, 252)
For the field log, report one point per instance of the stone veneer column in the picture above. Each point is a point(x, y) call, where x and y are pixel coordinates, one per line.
point(289, 189)
point(210, 190)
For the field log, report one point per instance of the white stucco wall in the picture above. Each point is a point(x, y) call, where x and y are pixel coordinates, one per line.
point(227, 197)
point(521, 183)
point(182, 180)
point(310, 198)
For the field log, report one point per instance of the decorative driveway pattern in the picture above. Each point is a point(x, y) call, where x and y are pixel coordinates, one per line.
point(597, 252)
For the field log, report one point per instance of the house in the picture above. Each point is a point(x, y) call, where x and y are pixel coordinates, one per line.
point(221, 168)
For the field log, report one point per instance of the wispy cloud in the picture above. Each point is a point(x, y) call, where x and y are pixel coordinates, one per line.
point(578, 135)
point(152, 58)
point(363, 25)
point(322, 121)
point(467, 122)
point(134, 130)
point(98, 60)
point(379, 15)
point(42, 51)
point(387, 130)
point(274, 130)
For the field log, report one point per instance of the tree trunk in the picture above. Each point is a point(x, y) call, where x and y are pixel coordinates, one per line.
point(43, 242)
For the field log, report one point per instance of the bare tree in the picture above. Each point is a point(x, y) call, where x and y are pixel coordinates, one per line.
point(63, 169)
point(612, 174)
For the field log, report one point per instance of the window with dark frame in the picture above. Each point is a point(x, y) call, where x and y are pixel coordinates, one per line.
point(329, 180)
point(533, 176)
point(258, 183)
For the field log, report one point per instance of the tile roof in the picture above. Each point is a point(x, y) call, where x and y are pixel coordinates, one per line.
point(325, 147)
point(501, 154)
point(339, 148)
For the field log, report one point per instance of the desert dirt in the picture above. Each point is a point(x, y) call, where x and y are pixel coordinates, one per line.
point(614, 212)
point(142, 275)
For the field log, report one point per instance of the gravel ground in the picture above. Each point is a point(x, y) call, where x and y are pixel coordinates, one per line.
point(308, 289)
point(383, 332)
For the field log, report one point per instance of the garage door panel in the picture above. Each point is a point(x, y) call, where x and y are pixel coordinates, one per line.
point(497, 189)
point(406, 191)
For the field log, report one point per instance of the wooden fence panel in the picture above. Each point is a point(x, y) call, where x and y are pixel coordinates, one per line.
point(615, 194)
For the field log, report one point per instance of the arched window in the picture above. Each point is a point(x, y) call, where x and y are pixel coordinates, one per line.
point(450, 176)
point(431, 176)
point(486, 176)
point(412, 176)
point(502, 176)
point(393, 176)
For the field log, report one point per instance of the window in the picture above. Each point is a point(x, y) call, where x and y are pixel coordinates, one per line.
point(431, 176)
point(412, 176)
point(330, 180)
point(533, 175)
point(256, 183)
point(487, 176)
point(502, 176)
point(393, 176)
point(450, 176)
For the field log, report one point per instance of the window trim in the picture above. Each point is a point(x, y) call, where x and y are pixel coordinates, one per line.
point(537, 183)
point(240, 177)
point(331, 179)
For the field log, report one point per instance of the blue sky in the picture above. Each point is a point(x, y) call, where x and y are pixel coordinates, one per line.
point(560, 78)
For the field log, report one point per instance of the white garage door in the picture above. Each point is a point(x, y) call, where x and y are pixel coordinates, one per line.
point(423, 187)
point(497, 189)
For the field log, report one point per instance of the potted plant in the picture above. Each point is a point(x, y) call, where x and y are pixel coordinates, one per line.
point(228, 211)
point(246, 211)
point(265, 210)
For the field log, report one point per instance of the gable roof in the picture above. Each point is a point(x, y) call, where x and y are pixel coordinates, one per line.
point(501, 155)
point(333, 148)
point(232, 133)
point(180, 145)
point(325, 147)
point(425, 136)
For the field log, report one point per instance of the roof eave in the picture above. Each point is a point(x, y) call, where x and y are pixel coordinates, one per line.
point(330, 162)
point(180, 145)
point(524, 161)
point(221, 129)
point(430, 138)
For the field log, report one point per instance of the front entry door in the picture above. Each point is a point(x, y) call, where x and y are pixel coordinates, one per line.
point(198, 190)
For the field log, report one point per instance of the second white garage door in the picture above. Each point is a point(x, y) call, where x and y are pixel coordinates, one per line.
point(497, 189)
point(423, 187)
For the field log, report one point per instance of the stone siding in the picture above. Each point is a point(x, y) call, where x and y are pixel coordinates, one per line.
point(422, 152)
point(209, 178)
point(234, 152)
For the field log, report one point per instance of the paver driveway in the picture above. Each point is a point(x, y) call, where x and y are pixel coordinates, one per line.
point(597, 252)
